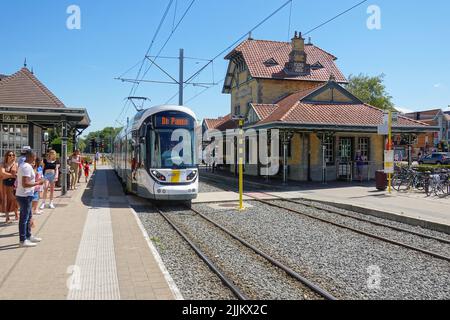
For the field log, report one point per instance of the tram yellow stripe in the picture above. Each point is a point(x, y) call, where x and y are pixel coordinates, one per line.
point(176, 175)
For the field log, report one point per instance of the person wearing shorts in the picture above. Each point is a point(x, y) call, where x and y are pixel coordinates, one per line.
point(51, 167)
point(38, 189)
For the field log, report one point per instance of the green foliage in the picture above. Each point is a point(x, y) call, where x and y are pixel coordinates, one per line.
point(55, 144)
point(106, 135)
point(371, 90)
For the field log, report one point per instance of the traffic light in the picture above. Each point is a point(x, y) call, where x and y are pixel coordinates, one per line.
point(93, 144)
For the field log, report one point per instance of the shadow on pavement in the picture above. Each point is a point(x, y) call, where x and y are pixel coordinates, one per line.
point(115, 196)
point(254, 184)
point(9, 247)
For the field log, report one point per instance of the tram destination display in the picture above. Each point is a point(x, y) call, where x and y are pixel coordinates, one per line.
point(173, 121)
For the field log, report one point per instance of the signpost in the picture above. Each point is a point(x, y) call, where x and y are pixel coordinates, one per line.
point(241, 155)
point(389, 154)
point(389, 160)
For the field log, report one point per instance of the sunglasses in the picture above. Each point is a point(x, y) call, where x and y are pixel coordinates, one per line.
point(11, 155)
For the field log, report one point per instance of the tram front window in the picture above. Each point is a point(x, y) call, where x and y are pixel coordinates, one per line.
point(168, 154)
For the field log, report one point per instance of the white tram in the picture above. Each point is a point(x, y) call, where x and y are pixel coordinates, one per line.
point(155, 155)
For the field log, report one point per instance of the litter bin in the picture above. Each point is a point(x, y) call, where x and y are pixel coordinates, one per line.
point(381, 180)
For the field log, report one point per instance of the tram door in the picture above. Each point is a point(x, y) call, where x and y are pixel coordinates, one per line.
point(345, 158)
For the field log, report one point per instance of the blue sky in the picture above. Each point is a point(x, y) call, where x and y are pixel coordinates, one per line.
point(79, 66)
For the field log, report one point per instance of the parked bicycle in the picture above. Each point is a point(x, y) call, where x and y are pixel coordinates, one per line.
point(432, 183)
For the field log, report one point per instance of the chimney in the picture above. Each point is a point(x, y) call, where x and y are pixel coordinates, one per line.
point(297, 58)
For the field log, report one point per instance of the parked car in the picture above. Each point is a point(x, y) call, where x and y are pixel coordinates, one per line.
point(436, 158)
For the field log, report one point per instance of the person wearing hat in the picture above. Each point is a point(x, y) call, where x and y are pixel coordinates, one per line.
point(23, 155)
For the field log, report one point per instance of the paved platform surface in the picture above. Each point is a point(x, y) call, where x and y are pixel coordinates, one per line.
point(414, 208)
point(94, 249)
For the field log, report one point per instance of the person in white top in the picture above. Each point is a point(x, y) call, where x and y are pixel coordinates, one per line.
point(26, 183)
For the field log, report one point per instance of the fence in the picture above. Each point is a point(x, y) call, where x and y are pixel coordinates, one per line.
point(350, 171)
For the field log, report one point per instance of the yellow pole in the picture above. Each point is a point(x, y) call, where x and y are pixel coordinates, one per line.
point(241, 165)
point(389, 149)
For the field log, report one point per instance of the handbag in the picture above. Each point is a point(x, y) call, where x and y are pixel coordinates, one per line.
point(9, 182)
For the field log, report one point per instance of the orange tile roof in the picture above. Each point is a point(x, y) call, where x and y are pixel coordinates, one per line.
point(216, 123)
point(256, 52)
point(340, 114)
point(293, 109)
point(212, 123)
point(264, 110)
point(25, 90)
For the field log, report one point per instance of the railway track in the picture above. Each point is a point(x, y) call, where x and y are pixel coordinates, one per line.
point(227, 281)
point(340, 225)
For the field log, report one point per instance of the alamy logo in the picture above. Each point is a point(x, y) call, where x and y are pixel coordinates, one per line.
point(374, 20)
point(259, 148)
point(74, 280)
point(73, 22)
point(374, 281)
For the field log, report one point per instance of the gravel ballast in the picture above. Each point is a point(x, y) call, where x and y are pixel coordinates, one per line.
point(339, 260)
point(192, 276)
point(255, 276)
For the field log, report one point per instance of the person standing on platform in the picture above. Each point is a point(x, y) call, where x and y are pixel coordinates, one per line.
point(80, 169)
point(23, 154)
point(26, 182)
point(359, 160)
point(51, 167)
point(38, 189)
point(87, 170)
point(75, 161)
point(8, 173)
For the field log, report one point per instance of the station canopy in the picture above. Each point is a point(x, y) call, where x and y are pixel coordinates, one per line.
point(24, 99)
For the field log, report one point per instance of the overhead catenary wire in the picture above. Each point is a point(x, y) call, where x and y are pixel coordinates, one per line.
point(211, 61)
point(135, 86)
point(170, 36)
point(241, 38)
point(290, 20)
point(283, 45)
point(279, 48)
point(158, 29)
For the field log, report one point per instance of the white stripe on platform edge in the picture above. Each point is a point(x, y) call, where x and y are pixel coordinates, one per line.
point(172, 285)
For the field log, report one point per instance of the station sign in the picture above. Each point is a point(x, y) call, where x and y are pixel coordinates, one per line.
point(389, 157)
point(15, 118)
point(383, 129)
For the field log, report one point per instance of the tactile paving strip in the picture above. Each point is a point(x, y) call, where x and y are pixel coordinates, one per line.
point(95, 271)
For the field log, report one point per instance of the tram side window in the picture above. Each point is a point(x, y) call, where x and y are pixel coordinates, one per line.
point(142, 153)
point(155, 147)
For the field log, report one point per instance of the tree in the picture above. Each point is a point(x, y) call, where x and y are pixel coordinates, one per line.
point(371, 90)
point(105, 136)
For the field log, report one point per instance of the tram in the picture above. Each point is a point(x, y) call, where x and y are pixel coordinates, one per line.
point(155, 155)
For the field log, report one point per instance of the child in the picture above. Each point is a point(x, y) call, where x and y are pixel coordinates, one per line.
point(38, 189)
point(87, 170)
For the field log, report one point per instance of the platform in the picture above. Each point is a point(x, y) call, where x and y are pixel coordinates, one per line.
point(94, 248)
point(411, 208)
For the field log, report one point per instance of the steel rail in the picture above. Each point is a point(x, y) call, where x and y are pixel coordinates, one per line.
point(380, 224)
point(226, 281)
point(368, 234)
point(322, 292)
point(398, 243)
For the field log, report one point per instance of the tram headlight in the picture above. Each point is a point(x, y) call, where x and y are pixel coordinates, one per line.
point(158, 175)
point(192, 176)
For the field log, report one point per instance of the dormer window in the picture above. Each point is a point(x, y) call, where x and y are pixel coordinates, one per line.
point(271, 62)
point(317, 66)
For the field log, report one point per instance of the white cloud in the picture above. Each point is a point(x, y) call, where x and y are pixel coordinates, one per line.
point(438, 85)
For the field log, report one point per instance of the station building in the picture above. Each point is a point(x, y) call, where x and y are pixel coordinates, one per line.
point(298, 89)
point(28, 109)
